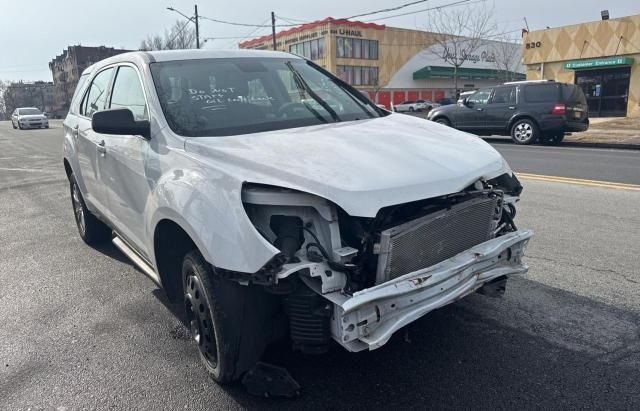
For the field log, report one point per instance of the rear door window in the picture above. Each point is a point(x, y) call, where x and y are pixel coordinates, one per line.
point(76, 94)
point(504, 95)
point(541, 93)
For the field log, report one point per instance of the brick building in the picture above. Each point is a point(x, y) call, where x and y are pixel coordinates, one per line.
point(67, 67)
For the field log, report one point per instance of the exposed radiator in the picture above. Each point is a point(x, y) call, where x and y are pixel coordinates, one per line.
point(433, 238)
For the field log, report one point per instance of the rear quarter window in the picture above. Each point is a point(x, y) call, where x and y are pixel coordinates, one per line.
point(541, 93)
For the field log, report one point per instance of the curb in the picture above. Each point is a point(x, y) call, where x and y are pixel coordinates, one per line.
point(619, 146)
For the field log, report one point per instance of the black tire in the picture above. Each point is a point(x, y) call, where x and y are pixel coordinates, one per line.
point(411, 109)
point(91, 230)
point(443, 121)
point(524, 131)
point(14, 126)
point(229, 322)
point(19, 126)
point(553, 139)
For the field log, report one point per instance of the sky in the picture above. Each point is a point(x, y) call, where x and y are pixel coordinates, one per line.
point(34, 31)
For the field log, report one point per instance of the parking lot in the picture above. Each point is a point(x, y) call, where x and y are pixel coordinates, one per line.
point(83, 328)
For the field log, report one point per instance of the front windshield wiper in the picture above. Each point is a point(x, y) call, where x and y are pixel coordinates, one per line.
point(303, 84)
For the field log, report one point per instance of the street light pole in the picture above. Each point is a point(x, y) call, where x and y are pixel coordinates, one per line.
point(197, 28)
point(194, 19)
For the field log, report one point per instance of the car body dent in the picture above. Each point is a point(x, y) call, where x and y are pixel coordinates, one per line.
point(368, 318)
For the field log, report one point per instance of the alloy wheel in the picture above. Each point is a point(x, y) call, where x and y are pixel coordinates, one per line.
point(199, 319)
point(78, 209)
point(523, 132)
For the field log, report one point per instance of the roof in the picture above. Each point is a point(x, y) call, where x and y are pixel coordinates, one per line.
point(428, 72)
point(313, 25)
point(144, 57)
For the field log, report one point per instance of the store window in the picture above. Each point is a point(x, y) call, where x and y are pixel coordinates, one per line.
point(358, 75)
point(347, 47)
point(312, 50)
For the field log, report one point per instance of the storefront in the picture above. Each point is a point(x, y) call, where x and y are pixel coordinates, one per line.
point(392, 64)
point(602, 57)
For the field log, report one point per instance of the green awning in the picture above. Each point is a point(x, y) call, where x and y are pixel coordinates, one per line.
point(428, 72)
point(596, 63)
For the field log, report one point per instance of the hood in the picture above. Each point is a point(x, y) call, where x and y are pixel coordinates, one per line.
point(361, 166)
point(32, 117)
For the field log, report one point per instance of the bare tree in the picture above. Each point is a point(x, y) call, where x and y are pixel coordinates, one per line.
point(3, 106)
point(507, 57)
point(182, 35)
point(459, 32)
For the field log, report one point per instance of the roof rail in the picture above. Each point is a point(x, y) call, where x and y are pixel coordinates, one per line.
point(528, 81)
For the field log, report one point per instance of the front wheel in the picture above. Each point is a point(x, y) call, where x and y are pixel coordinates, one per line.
point(524, 131)
point(14, 125)
point(411, 109)
point(229, 322)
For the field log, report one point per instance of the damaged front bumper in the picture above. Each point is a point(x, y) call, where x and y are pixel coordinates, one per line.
point(368, 318)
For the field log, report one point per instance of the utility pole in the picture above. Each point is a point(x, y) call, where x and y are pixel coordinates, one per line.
point(273, 29)
point(197, 28)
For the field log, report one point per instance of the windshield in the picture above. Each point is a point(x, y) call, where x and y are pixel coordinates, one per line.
point(28, 111)
point(222, 97)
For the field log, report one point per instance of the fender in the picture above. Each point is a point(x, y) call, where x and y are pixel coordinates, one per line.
point(204, 205)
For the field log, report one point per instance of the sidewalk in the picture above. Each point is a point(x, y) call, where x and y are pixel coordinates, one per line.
point(610, 131)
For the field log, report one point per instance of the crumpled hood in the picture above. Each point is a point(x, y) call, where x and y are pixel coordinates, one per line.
point(361, 166)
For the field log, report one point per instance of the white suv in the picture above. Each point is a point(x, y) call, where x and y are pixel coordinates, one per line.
point(29, 117)
point(258, 189)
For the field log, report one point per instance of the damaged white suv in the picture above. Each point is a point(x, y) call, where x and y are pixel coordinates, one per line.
point(272, 199)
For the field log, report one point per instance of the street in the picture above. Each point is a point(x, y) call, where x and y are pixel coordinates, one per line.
point(82, 328)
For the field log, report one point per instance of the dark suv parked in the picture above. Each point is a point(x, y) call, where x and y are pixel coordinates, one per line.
point(527, 110)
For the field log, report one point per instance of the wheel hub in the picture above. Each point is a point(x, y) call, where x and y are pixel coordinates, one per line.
point(523, 131)
point(199, 318)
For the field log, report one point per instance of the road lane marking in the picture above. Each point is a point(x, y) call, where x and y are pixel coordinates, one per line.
point(579, 181)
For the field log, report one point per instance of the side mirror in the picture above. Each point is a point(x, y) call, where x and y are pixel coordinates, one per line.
point(119, 121)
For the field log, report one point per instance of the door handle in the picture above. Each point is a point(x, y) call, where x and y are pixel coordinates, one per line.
point(101, 148)
point(74, 131)
point(512, 107)
point(479, 109)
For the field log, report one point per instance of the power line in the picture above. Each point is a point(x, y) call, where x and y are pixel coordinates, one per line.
point(456, 3)
point(387, 10)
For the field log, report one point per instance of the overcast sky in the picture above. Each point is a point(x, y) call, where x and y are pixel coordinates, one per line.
point(33, 32)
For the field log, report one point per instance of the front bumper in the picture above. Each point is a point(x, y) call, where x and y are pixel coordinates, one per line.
point(368, 318)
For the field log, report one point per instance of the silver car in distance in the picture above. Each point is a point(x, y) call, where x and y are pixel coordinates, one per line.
point(258, 190)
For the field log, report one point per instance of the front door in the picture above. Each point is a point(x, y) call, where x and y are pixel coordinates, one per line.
point(607, 91)
point(126, 161)
point(500, 108)
point(90, 145)
point(471, 115)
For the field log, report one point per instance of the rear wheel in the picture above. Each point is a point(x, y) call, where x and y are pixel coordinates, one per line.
point(443, 121)
point(553, 140)
point(524, 131)
point(91, 230)
point(228, 321)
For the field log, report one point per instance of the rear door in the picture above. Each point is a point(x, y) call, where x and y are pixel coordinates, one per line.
point(90, 145)
point(126, 159)
point(500, 108)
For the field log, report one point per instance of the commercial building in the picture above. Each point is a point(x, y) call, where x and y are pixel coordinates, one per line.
point(29, 94)
point(602, 57)
point(392, 64)
point(67, 67)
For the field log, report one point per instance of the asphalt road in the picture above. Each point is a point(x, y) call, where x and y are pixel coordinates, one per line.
point(621, 166)
point(83, 329)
